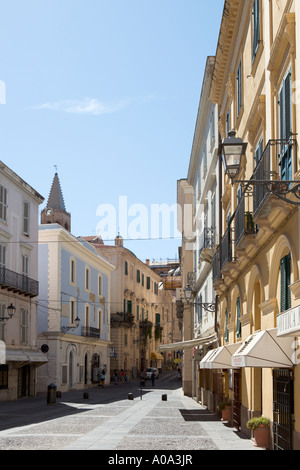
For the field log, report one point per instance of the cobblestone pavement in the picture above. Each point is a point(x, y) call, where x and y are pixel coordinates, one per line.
point(108, 420)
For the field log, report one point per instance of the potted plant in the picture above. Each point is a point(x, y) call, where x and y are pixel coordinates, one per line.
point(225, 408)
point(260, 427)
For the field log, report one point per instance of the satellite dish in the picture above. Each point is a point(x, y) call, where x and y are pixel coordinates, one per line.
point(44, 348)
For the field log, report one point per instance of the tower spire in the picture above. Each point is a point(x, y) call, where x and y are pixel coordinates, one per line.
point(55, 211)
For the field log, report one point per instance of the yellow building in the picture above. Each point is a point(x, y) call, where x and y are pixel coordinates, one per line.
point(256, 265)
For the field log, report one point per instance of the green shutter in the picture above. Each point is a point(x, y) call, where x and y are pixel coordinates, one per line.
point(126, 268)
point(285, 280)
point(148, 282)
point(238, 318)
point(226, 335)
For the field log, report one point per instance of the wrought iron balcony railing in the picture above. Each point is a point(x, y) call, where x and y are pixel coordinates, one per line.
point(90, 332)
point(18, 282)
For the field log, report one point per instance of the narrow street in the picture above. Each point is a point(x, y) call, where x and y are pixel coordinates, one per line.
point(108, 420)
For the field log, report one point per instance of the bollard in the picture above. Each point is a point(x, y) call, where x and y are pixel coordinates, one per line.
point(85, 395)
point(130, 396)
point(51, 394)
point(164, 397)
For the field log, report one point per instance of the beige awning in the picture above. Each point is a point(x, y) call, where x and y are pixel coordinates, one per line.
point(28, 357)
point(265, 349)
point(220, 358)
point(156, 356)
point(187, 344)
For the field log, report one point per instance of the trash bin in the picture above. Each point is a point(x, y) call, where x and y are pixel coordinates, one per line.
point(51, 394)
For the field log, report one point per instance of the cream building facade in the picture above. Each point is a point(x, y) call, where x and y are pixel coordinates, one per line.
point(256, 266)
point(20, 356)
point(140, 310)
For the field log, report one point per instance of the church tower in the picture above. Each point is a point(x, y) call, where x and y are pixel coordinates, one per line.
point(55, 211)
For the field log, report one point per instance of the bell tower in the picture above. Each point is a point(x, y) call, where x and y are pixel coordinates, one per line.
point(55, 211)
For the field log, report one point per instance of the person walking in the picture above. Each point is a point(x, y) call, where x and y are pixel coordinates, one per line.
point(153, 378)
point(102, 378)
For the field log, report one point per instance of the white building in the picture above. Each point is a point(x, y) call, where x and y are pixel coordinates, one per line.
point(19, 286)
point(74, 302)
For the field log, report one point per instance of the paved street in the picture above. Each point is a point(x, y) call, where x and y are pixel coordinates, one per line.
point(108, 420)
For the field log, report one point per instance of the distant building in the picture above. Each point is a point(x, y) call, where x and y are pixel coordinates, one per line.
point(19, 286)
point(141, 313)
point(74, 302)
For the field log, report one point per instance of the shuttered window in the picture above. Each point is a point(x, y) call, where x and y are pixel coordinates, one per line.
point(285, 280)
point(26, 218)
point(285, 117)
point(226, 335)
point(256, 27)
point(238, 318)
point(239, 88)
point(24, 325)
point(3, 203)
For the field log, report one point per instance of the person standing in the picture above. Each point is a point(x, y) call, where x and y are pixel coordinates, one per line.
point(153, 378)
point(102, 378)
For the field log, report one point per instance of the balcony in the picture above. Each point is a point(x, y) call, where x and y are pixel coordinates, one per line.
point(208, 244)
point(122, 319)
point(18, 283)
point(269, 210)
point(90, 332)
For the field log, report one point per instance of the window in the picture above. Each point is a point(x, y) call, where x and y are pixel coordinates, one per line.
point(148, 282)
point(285, 118)
point(3, 203)
point(87, 316)
point(238, 318)
point(99, 284)
point(126, 268)
point(129, 306)
point(25, 265)
point(157, 319)
point(212, 125)
point(2, 255)
point(227, 122)
point(24, 324)
point(285, 281)
point(239, 88)
point(143, 280)
point(138, 276)
point(256, 27)
point(73, 271)
point(2, 323)
point(3, 376)
point(259, 151)
point(72, 312)
point(87, 278)
point(226, 333)
point(100, 319)
point(26, 218)
point(137, 313)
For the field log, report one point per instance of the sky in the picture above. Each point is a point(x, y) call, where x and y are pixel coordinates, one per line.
point(106, 93)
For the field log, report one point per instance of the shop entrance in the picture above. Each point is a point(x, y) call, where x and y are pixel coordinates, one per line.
point(283, 408)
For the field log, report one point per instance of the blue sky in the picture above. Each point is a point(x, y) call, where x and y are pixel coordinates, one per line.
point(108, 91)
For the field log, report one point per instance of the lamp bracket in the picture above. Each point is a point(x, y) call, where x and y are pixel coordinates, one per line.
point(279, 188)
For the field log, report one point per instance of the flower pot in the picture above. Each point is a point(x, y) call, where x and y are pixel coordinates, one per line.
point(261, 436)
point(226, 413)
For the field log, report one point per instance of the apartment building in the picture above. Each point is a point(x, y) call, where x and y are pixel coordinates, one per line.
point(256, 265)
point(19, 286)
point(74, 302)
point(137, 310)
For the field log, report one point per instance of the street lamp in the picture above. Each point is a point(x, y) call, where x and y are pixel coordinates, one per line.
point(208, 307)
point(68, 328)
point(233, 149)
point(11, 311)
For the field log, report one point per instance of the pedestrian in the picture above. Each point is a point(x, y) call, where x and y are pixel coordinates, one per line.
point(178, 373)
point(122, 376)
point(143, 378)
point(102, 378)
point(153, 378)
point(115, 377)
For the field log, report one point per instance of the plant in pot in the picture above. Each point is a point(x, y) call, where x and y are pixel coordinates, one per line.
point(225, 408)
point(260, 427)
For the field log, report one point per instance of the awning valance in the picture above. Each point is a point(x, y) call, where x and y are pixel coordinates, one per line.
point(190, 344)
point(19, 355)
point(219, 358)
point(265, 349)
point(156, 356)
